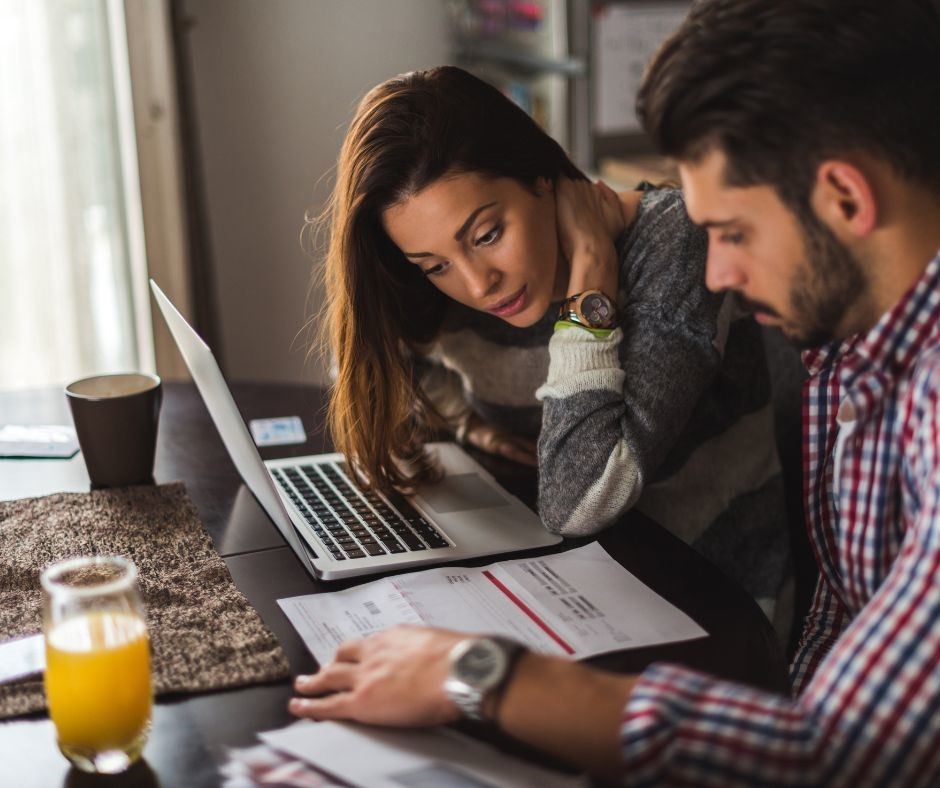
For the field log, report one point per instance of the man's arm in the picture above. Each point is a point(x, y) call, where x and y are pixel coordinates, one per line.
point(396, 678)
point(825, 622)
point(568, 709)
point(869, 714)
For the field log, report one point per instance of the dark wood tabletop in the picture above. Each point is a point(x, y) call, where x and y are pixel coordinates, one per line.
point(191, 733)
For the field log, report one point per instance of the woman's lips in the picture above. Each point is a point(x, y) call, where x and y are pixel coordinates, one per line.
point(511, 306)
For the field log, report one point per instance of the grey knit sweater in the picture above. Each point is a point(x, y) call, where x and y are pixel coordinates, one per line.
point(671, 413)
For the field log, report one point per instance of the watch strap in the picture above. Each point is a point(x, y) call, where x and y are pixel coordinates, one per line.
point(497, 693)
point(600, 333)
point(468, 705)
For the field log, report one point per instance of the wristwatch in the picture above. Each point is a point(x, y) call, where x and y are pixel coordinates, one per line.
point(589, 308)
point(478, 666)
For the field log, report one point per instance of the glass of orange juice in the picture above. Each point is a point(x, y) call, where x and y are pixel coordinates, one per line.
point(97, 661)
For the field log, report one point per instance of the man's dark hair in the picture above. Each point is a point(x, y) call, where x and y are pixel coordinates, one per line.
point(781, 85)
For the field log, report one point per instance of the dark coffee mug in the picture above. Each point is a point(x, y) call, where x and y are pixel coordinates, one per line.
point(115, 419)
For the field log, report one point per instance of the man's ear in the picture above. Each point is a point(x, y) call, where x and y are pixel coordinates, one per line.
point(543, 185)
point(844, 198)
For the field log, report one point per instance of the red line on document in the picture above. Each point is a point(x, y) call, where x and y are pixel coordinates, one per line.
point(530, 613)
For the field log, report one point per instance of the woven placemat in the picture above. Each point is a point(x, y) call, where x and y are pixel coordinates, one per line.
point(204, 634)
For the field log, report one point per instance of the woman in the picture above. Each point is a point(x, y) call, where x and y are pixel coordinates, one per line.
point(459, 230)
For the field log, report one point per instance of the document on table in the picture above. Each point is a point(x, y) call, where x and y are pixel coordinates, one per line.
point(53, 441)
point(21, 658)
point(578, 604)
point(379, 757)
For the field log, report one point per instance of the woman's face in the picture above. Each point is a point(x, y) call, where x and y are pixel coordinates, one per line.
point(488, 243)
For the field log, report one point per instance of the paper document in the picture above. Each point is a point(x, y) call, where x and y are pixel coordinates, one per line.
point(38, 440)
point(379, 757)
point(578, 604)
point(21, 658)
point(248, 767)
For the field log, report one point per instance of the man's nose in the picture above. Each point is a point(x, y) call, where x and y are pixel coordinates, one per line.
point(721, 271)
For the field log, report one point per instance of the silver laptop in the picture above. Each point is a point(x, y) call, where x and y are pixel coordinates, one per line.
point(338, 530)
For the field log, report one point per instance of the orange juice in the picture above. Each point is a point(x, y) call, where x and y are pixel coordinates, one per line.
point(98, 683)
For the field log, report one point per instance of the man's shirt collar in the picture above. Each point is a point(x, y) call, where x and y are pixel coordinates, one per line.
point(893, 344)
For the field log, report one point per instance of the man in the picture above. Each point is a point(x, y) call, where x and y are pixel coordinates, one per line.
point(808, 138)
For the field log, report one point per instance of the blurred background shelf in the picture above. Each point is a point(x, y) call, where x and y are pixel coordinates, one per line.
point(482, 53)
point(575, 66)
point(626, 172)
point(525, 48)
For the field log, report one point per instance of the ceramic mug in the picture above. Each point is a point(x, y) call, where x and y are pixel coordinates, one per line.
point(115, 418)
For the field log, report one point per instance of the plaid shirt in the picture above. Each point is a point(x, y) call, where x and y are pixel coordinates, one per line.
point(866, 678)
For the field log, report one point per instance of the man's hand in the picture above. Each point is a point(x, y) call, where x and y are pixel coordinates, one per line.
point(395, 677)
point(590, 217)
point(494, 440)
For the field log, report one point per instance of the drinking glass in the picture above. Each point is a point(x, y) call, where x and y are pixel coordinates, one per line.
point(97, 661)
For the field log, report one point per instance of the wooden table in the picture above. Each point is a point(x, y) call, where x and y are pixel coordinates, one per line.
point(191, 732)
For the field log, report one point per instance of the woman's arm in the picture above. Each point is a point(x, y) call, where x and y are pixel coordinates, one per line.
point(444, 389)
point(614, 406)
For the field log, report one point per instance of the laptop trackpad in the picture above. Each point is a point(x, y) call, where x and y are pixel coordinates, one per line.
point(462, 492)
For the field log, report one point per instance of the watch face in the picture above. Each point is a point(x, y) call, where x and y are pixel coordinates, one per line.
point(597, 309)
point(481, 664)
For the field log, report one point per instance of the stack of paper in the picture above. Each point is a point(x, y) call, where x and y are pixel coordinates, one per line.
point(387, 757)
point(578, 604)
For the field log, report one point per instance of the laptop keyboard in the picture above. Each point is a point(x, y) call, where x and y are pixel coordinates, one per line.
point(353, 523)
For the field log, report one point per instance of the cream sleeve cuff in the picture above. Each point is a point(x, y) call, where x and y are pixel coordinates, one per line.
point(580, 361)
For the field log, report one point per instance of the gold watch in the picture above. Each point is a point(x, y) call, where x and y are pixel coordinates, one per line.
point(590, 308)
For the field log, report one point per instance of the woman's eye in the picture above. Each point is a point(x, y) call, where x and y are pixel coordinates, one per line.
point(435, 270)
point(489, 238)
point(732, 238)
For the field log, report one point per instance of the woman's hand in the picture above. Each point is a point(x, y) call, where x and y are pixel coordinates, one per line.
point(395, 677)
point(495, 440)
point(590, 217)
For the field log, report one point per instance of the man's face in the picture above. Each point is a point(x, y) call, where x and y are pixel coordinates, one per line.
point(794, 275)
point(489, 243)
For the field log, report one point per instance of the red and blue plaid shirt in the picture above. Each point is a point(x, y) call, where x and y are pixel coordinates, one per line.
point(865, 708)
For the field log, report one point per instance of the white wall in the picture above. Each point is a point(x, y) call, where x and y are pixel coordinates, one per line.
point(275, 83)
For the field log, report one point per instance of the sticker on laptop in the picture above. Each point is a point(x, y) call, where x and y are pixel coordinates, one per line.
point(278, 432)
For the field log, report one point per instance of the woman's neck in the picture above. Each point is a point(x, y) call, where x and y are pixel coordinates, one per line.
point(629, 205)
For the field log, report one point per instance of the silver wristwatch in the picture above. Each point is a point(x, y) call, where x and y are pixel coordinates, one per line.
point(478, 666)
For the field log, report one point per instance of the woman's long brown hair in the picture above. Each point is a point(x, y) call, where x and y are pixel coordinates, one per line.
point(380, 309)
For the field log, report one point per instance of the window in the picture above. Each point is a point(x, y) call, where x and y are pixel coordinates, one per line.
point(69, 200)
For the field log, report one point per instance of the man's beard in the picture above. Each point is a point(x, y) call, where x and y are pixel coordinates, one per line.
point(834, 281)
point(828, 281)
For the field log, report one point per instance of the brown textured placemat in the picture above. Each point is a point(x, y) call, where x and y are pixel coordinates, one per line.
point(204, 634)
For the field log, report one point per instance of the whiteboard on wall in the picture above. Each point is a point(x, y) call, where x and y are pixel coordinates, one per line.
point(626, 36)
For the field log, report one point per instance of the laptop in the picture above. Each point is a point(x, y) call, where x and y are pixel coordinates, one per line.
point(339, 530)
